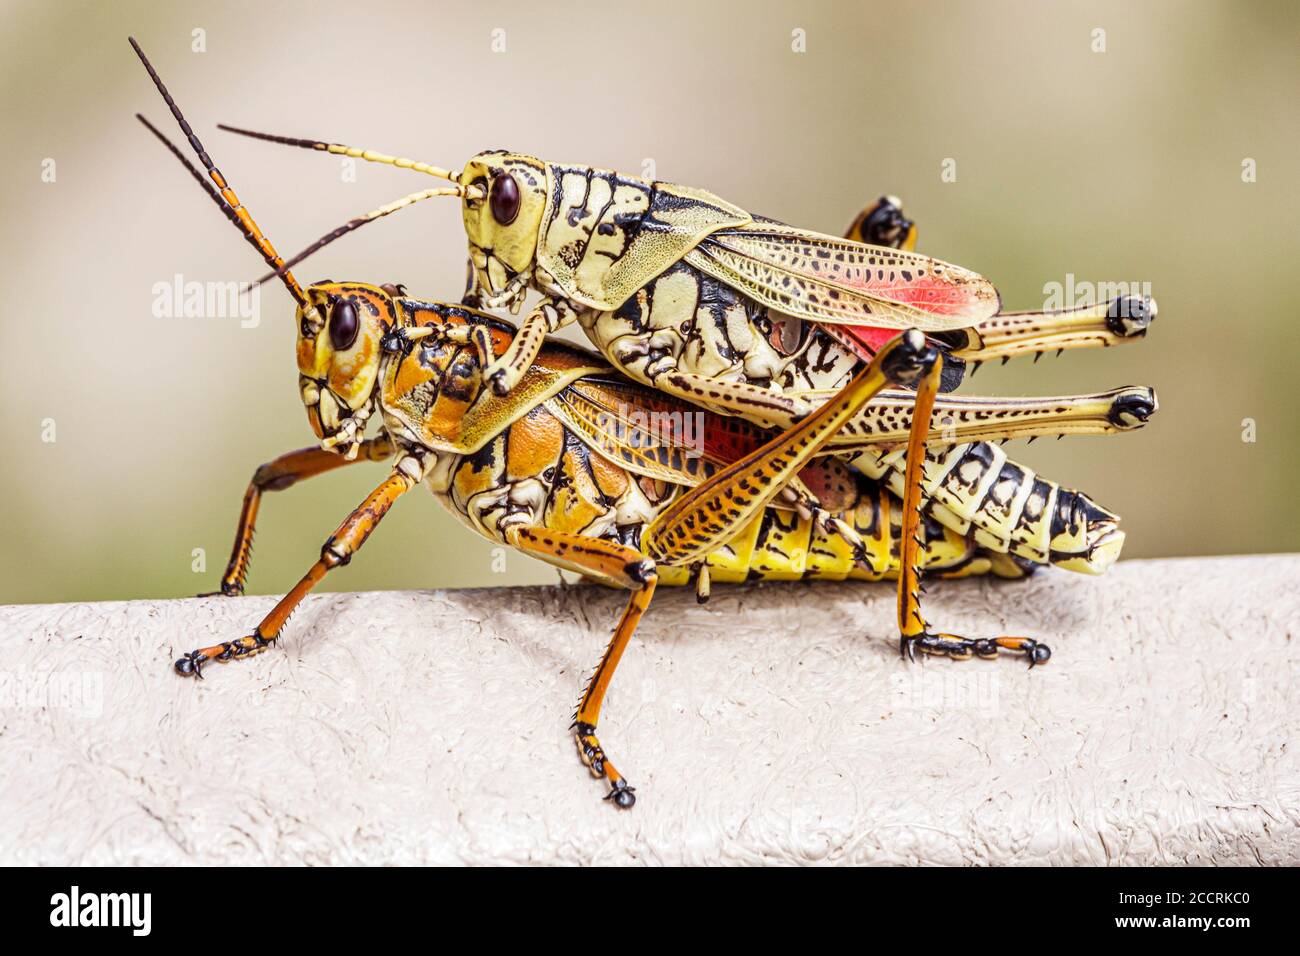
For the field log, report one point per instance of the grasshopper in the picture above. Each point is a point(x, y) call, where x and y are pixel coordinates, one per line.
point(556, 468)
point(685, 291)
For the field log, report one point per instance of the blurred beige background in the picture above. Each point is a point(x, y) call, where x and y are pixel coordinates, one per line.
point(1115, 166)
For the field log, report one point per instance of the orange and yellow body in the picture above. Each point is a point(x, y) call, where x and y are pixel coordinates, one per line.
point(576, 447)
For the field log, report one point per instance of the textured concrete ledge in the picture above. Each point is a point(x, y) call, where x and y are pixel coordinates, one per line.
point(775, 725)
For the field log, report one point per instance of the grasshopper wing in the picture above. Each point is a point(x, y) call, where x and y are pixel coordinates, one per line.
point(649, 433)
point(605, 235)
point(823, 278)
point(660, 437)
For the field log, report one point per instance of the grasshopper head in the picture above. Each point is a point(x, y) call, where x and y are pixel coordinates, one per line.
point(339, 324)
point(339, 334)
point(503, 217)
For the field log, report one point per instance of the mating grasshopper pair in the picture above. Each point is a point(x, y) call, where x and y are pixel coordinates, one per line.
point(537, 444)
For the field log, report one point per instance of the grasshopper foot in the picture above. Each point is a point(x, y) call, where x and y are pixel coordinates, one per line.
point(593, 756)
point(228, 589)
point(961, 648)
point(192, 663)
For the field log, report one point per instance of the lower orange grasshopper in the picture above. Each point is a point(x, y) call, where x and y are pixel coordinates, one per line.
point(560, 468)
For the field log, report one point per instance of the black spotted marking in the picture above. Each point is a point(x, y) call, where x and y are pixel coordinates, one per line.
point(1035, 505)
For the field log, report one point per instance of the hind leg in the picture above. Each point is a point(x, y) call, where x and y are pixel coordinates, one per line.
point(883, 224)
point(914, 632)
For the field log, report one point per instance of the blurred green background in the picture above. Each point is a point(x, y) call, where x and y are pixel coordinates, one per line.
point(1123, 165)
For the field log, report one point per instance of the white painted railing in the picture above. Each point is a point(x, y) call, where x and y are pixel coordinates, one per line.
point(777, 724)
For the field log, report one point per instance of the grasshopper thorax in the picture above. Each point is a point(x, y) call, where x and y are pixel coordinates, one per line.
point(339, 335)
point(503, 217)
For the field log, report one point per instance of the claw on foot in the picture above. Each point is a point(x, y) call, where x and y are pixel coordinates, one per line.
point(622, 795)
point(191, 665)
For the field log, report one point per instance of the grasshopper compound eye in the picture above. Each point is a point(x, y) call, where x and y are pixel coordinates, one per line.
point(343, 326)
point(504, 199)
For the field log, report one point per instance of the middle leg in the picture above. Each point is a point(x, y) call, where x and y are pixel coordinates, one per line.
point(612, 564)
point(276, 475)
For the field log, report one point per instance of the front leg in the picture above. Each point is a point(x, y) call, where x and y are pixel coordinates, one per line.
point(550, 315)
point(276, 475)
point(338, 551)
point(471, 298)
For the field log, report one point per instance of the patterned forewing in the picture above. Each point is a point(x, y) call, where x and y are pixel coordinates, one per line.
point(827, 279)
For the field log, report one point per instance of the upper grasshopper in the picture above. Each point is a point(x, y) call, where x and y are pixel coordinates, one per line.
point(688, 292)
point(685, 291)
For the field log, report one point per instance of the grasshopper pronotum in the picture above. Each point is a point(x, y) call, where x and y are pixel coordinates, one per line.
point(554, 469)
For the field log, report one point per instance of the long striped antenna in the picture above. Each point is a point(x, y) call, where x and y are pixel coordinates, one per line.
point(357, 223)
point(369, 155)
point(222, 193)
